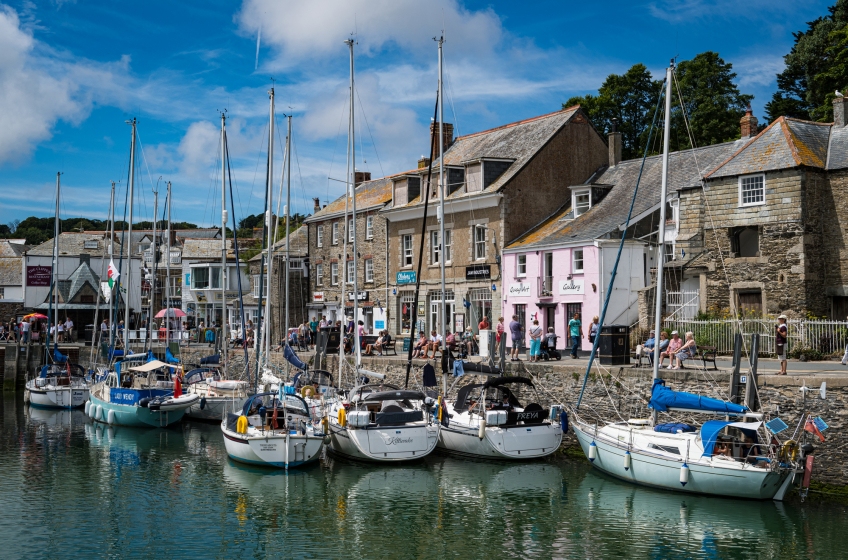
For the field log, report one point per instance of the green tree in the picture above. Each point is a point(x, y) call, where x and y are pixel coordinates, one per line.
point(630, 99)
point(712, 101)
point(815, 68)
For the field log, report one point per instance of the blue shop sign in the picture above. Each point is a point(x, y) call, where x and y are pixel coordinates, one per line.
point(406, 277)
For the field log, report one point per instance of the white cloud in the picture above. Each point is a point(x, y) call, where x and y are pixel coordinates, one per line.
point(758, 70)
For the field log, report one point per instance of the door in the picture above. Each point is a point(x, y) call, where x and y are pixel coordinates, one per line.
point(840, 308)
point(550, 319)
point(750, 304)
point(570, 310)
point(521, 313)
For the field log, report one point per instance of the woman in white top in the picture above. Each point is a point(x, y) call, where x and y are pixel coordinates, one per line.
point(535, 341)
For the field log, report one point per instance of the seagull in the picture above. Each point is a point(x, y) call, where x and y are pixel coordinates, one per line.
point(838, 93)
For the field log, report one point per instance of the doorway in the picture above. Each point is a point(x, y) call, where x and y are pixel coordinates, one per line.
point(750, 304)
point(570, 310)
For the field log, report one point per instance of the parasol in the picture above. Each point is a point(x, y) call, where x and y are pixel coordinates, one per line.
point(170, 312)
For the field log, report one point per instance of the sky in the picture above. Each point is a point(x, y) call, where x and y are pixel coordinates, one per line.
point(73, 72)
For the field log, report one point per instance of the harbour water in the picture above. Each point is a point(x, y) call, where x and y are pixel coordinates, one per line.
point(73, 489)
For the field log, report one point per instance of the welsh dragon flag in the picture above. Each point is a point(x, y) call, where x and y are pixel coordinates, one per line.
point(113, 274)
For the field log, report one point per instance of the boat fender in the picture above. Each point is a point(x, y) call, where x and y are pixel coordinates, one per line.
point(443, 412)
point(87, 406)
point(327, 440)
point(241, 425)
point(789, 451)
point(145, 402)
point(593, 452)
point(91, 410)
point(627, 460)
point(110, 417)
point(563, 421)
point(481, 432)
point(342, 417)
point(202, 403)
point(97, 410)
point(684, 474)
point(808, 471)
point(263, 412)
point(303, 428)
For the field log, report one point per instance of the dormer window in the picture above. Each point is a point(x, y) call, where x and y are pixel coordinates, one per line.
point(581, 201)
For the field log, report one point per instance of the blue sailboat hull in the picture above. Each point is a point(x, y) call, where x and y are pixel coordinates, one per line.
point(134, 415)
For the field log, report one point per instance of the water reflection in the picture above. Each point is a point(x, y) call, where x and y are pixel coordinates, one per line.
point(129, 492)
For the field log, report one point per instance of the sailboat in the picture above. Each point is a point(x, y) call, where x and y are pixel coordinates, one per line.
point(140, 391)
point(375, 422)
point(218, 394)
point(274, 428)
point(59, 383)
point(722, 457)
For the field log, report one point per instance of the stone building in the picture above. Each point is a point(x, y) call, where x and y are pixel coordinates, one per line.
point(331, 272)
point(767, 233)
point(202, 294)
point(11, 278)
point(500, 183)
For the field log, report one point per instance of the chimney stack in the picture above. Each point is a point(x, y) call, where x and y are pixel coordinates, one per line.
point(360, 177)
point(316, 205)
point(434, 136)
point(614, 144)
point(423, 162)
point(839, 111)
point(748, 124)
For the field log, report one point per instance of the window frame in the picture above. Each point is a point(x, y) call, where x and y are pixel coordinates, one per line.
point(574, 261)
point(435, 251)
point(406, 252)
point(369, 227)
point(579, 193)
point(335, 233)
point(369, 270)
point(350, 272)
point(319, 274)
point(350, 230)
point(334, 274)
point(521, 263)
point(446, 245)
point(742, 178)
point(319, 236)
point(480, 244)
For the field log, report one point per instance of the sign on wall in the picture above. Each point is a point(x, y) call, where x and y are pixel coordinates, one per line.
point(406, 277)
point(571, 287)
point(478, 272)
point(362, 296)
point(38, 276)
point(519, 290)
point(318, 297)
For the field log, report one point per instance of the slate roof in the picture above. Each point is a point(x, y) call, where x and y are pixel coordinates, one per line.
point(70, 288)
point(10, 271)
point(518, 141)
point(206, 249)
point(9, 249)
point(370, 194)
point(784, 144)
point(73, 243)
point(611, 212)
point(299, 244)
point(837, 157)
point(204, 233)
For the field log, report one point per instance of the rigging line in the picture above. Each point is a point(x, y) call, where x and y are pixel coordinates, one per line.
point(144, 200)
point(299, 175)
point(371, 134)
point(238, 265)
point(335, 150)
point(710, 214)
point(618, 255)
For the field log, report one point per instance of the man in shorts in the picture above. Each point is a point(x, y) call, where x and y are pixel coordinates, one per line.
point(781, 333)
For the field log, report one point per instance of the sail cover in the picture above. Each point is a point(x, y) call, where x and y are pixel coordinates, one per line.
point(292, 358)
point(663, 398)
point(58, 357)
point(169, 357)
point(711, 429)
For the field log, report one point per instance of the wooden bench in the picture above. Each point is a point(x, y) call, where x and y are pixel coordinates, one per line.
point(390, 347)
point(708, 354)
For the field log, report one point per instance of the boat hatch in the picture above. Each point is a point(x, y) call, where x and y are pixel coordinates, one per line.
point(667, 448)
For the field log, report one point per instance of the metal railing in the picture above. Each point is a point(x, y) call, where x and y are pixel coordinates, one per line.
point(827, 337)
point(546, 286)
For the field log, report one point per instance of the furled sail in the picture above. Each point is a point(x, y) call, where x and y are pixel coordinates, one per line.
point(663, 398)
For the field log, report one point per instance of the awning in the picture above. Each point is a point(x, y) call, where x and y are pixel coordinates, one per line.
point(547, 304)
point(149, 366)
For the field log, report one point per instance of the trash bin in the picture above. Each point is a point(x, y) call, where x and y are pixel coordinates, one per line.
point(613, 347)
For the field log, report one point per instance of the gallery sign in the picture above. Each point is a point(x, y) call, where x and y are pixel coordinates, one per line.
point(38, 276)
point(571, 287)
point(478, 272)
point(519, 290)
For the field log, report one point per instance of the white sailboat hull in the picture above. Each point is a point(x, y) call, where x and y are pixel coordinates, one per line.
point(49, 396)
point(272, 449)
point(384, 443)
point(711, 476)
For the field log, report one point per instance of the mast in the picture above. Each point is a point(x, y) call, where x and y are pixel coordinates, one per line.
point(111, 256)
point(154, 256)
point(168, 275)
point(260, 338)
point(288, 229)
point(661, 233)
point(54, 272)
point(133, 122)
point(441, 216)
point(352, 169)
point(223, 339)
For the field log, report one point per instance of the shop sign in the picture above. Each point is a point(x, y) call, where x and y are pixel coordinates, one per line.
point(362, 296)
point(38, 276)
point(406, 277)
point(318, 297)
point(519, 290)
point(571, 287)
point(478, 272)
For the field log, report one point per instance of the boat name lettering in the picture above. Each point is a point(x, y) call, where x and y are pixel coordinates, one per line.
point(528, 415)
point(397, 440)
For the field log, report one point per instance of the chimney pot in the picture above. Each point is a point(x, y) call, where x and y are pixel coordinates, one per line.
point(748, 124)
point(434, 136)
point(614, 147)
point(839, 111)
point(316, 204)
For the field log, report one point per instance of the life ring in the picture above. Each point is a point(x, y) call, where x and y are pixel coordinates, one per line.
point(307, 392)
point(789, 450)
point(241, 425)
point(342, 417)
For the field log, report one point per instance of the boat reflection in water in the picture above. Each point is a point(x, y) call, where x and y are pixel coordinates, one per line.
point(54, 417)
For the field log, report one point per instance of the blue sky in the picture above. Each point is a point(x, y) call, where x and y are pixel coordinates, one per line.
point(72, 72)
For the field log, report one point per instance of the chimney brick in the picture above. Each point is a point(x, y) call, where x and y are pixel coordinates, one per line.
point(361, 176)
point(748, 124)
point(434, 136)
point(839, 111)
point(423, 162)
point(614, 148)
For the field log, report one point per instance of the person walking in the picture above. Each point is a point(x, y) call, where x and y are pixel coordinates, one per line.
point(535, 340)
point(313, 328)
point(25, 328)
point(594, 329)
point(781, 335)
point(69, 329)
point(515, 334)
point(575, 331)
